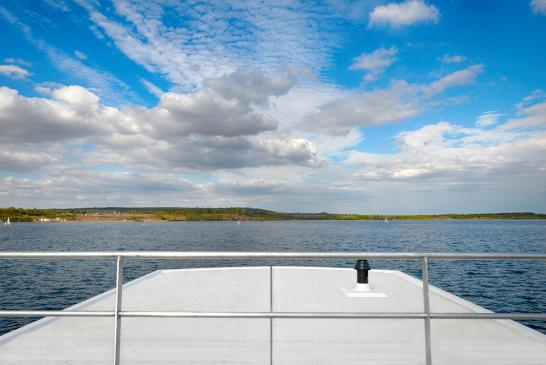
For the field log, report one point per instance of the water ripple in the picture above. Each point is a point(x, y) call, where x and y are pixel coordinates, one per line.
point(501, 286)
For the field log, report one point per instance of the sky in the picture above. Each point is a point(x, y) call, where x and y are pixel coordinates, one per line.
point(378, 107)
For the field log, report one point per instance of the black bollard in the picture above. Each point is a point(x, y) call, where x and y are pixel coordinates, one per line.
point(362, 267)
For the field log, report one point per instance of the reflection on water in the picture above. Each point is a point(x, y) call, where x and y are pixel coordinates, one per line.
point(501, 286)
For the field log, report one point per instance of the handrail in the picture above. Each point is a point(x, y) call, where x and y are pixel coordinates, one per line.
point(258, 255)
point(120, 256)
point(294, 315)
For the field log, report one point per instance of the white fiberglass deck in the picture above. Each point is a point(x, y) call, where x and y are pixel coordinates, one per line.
point(295, 341)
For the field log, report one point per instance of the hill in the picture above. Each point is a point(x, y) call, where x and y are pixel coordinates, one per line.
point(149, 214)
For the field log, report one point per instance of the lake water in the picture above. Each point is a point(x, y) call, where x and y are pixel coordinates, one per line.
point(501, 286)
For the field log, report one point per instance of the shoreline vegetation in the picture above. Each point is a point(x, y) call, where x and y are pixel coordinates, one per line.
point(167, 214)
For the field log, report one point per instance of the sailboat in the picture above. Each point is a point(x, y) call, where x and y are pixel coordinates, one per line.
point(387, 220)
point(7, 223)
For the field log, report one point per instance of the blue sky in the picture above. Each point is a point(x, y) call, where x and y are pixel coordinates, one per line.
point(371, 107)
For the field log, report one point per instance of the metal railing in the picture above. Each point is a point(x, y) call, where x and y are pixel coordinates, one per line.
point(120, 256)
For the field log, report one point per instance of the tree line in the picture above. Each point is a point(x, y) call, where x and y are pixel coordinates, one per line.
point(230, 214)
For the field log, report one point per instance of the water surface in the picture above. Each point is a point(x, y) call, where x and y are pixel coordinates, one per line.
point(52, 285)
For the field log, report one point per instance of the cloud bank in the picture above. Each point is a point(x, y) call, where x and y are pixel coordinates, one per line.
point(221, 126)
point(399, 101)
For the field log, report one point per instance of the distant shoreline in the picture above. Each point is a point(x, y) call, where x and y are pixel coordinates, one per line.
point(143, 215)
point(276, 220)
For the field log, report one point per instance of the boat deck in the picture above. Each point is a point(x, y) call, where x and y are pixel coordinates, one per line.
point(295, 341)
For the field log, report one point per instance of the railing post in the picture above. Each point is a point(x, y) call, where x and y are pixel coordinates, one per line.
point(426, 305)
point(271, 319)
point(117, 317)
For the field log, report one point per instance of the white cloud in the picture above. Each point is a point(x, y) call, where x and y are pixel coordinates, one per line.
point(226, 106)
point(58, 5)
point(370, 108)
point(16, 160)
point(232, 105)
point(221, 126)
point(531, 98)
point(88, 188)
point(103, 83)
point(399, 101)
point(47, 88)
point(337, 145)
point(487, 119)
point(252, 87)
point(79, 54)
point(531, 116)
point(403, 14)
point(14, 72)
point(474, 167)
point(203, 153)
point(457, 78)
point(301, 101)
point(18, 61)
point(74, 112)
point(538, 6)
point(449, 154)
point(226, 137)
point(207, 113)
point(206, 45)
point(452, 58)
point(375, 62)
point(153, 89)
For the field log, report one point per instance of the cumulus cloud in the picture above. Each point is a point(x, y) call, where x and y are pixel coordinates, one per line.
point(220, 126)
point(206, 153)
point(538, 6)
point(250, 87)
point(227, 106)
point(375, 62)
point(73, 112)
point(487, 119)
point(409, 12)
point(207, 113)
point(14, 72)
point(452, 58)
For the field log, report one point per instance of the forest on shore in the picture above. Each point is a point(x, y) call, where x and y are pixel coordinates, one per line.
point(123, 214)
